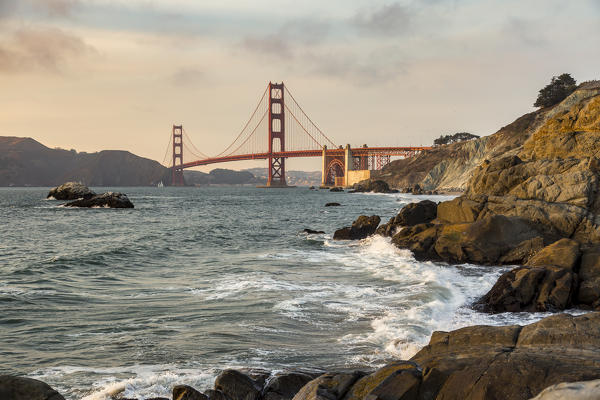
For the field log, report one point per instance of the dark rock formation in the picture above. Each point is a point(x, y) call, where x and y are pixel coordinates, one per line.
point(375, 186)
point(311, 232)
point(491, 240)
point(332, 204)
point(105, 200)
point(184, 392)
point(336, 189)
point(412, 214)
point(237, 385)
point(19, 388)
point(330, 386)
point(361, 228)
point(547, 288)
point(284, 386)
point(70, 191)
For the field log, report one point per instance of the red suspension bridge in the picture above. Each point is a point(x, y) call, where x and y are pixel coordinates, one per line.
point(279, 129)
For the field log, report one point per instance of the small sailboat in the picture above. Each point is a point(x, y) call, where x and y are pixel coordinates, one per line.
point(160, 184)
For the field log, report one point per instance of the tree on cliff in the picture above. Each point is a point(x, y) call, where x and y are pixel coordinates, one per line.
point(457, 137)
point(559, 88)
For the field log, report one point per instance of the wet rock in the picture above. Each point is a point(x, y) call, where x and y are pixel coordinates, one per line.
point(547, 288)
point(509, 362)
point(332, 204)
point(563, 253)
point(312, 188)
point(311, 231)
point(105, 200)
point(329, 386)
point(70, 191)
point(365, 386)
point(215, 395)
point(376, 186)
point(361, 228)
point(459, 210)
point(184, 392)
point(237, 385)
point(285, 386)
point(588, 390)
point(420, 239)
point(410, 215)
point(19, 388)
point(336, 189)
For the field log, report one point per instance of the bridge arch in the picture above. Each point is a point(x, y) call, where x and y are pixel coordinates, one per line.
point(335, 169)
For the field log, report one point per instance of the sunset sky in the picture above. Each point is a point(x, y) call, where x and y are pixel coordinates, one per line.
point(116, 74)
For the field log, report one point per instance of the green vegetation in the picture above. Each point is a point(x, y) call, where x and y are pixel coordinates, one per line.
point(457, 137)
point(559, 88)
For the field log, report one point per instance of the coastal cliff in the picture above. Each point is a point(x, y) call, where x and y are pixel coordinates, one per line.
point(449, 167)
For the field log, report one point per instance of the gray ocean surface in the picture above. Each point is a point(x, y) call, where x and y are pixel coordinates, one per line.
point(194, 280)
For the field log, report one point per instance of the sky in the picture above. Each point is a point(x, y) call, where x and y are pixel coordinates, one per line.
point(117, 74)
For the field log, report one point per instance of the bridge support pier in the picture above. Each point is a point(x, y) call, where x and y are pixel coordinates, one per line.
point(276, 173)
point(177, 169)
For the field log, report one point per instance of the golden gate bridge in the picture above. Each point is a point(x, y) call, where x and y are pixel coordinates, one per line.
point(278, 129)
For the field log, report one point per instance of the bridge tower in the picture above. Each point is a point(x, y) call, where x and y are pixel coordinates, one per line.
point(276, 175)
point(177, 169)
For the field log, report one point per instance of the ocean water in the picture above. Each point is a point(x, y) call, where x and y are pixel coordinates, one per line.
point(195, 280)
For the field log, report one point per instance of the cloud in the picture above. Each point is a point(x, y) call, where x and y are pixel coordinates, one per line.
point(7, 8)
point(187, 76)
point(46, 49)
point(292, 35)
point(390, 19)
point(60, 8)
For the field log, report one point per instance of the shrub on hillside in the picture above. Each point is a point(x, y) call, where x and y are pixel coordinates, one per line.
point(559, 88)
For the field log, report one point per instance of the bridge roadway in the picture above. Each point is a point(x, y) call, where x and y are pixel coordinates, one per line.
point(356, 152)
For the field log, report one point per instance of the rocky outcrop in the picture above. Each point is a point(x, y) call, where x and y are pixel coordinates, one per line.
point(412, 214)
point(184, 392)
point(589, 390)
point(333, 204)
point(70, 191)
point(105, 200)
point(20, 388)
point(361, 228)
point(375, 186)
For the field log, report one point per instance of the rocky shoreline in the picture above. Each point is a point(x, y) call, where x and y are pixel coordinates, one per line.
point(535, 207)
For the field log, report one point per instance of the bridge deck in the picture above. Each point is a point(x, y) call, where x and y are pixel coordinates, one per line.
point(359, 151)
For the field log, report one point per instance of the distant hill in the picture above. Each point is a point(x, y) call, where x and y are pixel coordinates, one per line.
point(26, 162)
point(294, 178)
point(220, 176)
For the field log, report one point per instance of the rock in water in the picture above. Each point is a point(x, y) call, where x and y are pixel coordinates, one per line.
point(332, 204)
point(104, 200)
point(237, 386)
point(312, 231)
point(336, 189)
point(18, 388)
point(184, 392)
point(70, 191)
point(361, 228)
point(410, 215)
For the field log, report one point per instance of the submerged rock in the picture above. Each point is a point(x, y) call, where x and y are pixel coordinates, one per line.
point(105, 200)
point(336, 189)
point(361, 228)
point(376, 186)
point(70, 191)
point(20, 388)
point(332, 204)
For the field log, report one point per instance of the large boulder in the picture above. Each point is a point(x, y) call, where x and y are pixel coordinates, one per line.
point(105, 200)
point(588, 390)
point(491, 362)
point(547, 288)
point(285, 385)
point(70, 191)
point(184, 392)
point(236, 385)
point(410, 215)
point(361, 228)
point(20, 388)
point(563, 253)
point(329, 386)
